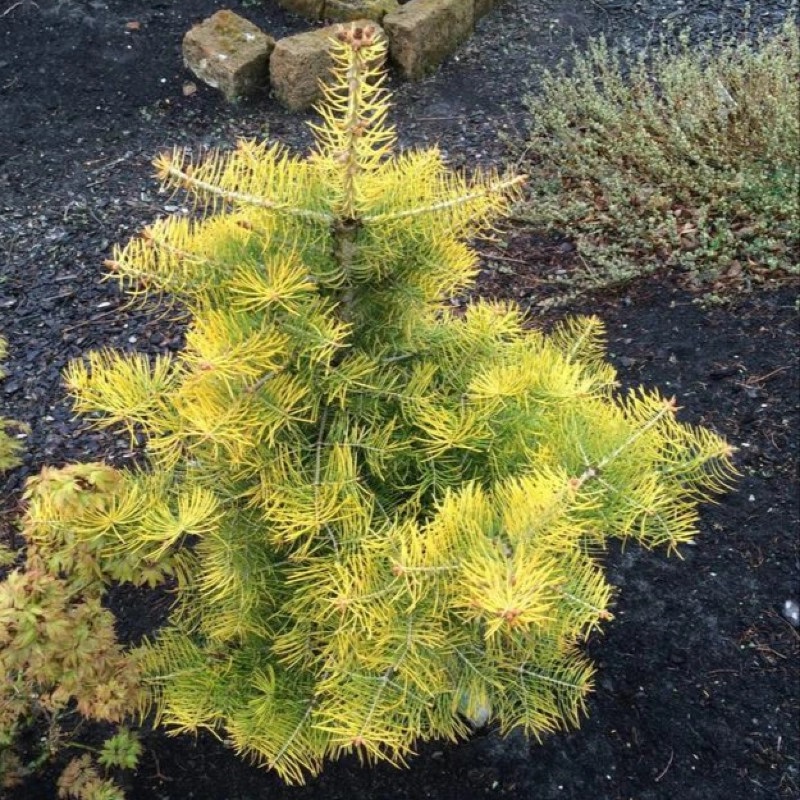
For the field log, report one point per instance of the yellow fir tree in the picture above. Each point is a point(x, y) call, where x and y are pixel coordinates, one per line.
point(382, 518)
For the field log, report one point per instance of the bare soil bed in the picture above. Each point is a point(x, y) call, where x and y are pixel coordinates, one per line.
point(698, 674)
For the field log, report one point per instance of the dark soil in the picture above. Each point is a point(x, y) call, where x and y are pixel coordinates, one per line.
point(697, 692)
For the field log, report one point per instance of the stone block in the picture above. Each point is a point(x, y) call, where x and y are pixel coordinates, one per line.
point(424, 32)
point(341, 10)
point(483, 7)
point(311, 9)
point(300, 62)
point(347, 10)
point(229, 53)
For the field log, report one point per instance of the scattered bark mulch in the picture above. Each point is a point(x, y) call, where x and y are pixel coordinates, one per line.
point(697, 690)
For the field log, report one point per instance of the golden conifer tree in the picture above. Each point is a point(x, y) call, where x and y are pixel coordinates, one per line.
point(382, 519)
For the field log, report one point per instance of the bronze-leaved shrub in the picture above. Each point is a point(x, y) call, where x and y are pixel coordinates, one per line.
point(58, 648)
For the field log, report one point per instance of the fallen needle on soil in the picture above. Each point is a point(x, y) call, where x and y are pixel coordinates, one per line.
point(669, 764)
point(16, 5)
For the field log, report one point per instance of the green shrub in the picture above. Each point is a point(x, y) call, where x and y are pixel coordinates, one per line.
point(686, 157)
point(383, 520)
point(9, 448)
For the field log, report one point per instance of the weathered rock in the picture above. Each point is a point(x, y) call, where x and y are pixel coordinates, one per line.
point(229, 53)
point(312, 9)
point(346, 10)
point(483, 7)
point(300, 62)
point(424, 32)
point(341, 10)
